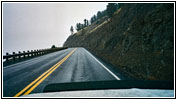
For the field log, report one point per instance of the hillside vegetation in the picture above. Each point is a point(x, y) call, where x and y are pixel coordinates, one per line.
point(138, 40)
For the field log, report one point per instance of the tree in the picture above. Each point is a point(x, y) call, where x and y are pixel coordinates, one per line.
point(72, 30)
point(91, 20)
point(120, 5)
point(53, 46)
point(99, 14)
point(78, 26)
point(85, 22)
point(82, 26)
point(104, 13)
point(94, 18)
point(111, 8)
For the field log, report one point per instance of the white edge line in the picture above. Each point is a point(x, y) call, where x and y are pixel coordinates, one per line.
point(104, 66)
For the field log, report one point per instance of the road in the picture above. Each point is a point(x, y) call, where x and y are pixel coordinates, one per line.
point(69, 65)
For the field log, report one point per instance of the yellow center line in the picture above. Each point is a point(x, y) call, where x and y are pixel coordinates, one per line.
point(43, 76)
point(32, 88)
point(18, 94)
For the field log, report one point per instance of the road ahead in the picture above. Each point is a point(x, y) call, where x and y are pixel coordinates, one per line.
point(70, 65)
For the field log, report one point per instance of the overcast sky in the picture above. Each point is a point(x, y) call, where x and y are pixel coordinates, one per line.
point(29, 26)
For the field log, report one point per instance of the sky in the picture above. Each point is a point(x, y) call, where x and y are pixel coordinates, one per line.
point(31, 26)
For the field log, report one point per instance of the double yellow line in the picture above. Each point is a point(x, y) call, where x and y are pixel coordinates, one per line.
point(41, 78)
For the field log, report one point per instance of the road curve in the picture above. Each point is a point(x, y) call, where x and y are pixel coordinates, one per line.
point(73, 65)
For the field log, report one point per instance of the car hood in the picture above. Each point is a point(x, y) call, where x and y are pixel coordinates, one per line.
point(134, 92)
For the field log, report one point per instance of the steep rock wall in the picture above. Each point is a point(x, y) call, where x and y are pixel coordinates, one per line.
point(139, 40)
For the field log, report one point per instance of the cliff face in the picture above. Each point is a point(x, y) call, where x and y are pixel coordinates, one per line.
point(138, 40)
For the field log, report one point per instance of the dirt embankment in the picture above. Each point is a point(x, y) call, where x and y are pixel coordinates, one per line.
point(138, 40)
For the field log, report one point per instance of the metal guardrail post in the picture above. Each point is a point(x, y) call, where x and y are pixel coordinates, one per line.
point(40, 51)
point(7, 57)
point(37, 52)
point(19, 55)
point(34, 52)
point(13, 56)
point(31, 53)
point(24, 54)
point(28, 53)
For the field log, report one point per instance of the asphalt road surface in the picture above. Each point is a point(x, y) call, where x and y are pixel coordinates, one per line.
point(69, 65)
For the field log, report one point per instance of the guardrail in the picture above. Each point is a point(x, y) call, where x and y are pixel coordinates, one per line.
point(32, 53)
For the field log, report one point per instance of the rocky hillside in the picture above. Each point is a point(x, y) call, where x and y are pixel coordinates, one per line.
point(138, 40)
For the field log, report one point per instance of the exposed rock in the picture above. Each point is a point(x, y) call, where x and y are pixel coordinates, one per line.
point(139, 40)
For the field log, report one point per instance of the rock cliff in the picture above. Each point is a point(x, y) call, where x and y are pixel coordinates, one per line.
point(138, 40)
